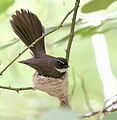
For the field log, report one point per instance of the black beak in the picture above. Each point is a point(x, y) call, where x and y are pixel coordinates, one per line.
point(66, 66)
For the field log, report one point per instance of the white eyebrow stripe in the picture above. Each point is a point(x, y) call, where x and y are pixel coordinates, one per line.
point(61, 61)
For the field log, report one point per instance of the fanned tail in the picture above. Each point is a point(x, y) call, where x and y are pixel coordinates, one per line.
point(28, 28)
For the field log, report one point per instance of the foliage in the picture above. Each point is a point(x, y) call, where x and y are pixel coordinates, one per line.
point(5, 4)
point(111, 116)
point(32, 104)
point(12, 42)
point(59, 115)
point(96, 5)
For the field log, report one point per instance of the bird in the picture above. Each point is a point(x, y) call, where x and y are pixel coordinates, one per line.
point(28, 28)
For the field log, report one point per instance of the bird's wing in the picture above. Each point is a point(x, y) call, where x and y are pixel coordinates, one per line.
point(42, 65)
point(28, 28)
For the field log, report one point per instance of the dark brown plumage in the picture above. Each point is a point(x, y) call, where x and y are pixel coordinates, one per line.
point(28, 28)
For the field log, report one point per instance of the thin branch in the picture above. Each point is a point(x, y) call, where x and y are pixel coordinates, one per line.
point(60, 25)
point(16, 89)
point(97, 112)
point(72, 29)
point(85, 94)
point(74, 83)
point(104, 110)
point(101, 111)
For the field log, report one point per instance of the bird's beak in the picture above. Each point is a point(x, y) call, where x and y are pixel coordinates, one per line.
point(66, 66)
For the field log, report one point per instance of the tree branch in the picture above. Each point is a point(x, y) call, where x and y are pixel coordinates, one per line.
point(103, 110)
point(60, 25)
point(72, 29)
point(16, 89)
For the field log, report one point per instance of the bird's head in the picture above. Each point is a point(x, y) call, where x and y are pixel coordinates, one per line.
point(61, 65)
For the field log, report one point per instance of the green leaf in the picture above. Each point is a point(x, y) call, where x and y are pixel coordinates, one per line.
point(96, 5)
point(111, 116)
point(83, 30)
point(64, 25)
point(9, 44)
point(5, 4)
point(88, 29)
point(59, 114)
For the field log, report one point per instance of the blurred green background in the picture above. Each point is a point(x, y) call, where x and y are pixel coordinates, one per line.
point(29, 105)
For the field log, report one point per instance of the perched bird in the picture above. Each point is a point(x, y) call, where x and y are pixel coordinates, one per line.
point(28, 28)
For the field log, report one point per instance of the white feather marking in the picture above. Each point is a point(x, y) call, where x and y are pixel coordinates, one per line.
point(61, 70)
point(61, 62)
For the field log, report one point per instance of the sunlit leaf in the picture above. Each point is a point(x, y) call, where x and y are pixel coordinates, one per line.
point(88, 29)
point(96, 5)
point(5, 4)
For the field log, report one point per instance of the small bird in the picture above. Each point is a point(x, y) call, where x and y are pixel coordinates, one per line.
point(28, 28)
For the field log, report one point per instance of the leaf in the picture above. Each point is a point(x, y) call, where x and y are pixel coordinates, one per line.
point(96, 5)
point(5, 4)
point(59, 114)
point(65, 25)
point(83, 30)
point(9, 44)
point(111, 116)
point(88, 29)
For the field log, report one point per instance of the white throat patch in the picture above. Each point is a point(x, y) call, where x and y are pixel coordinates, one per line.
point(61, 70)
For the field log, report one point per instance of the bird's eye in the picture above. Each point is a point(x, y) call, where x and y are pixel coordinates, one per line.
point(59, 64)
point(62, 63)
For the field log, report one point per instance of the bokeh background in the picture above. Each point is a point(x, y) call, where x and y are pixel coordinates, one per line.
point(30, 105)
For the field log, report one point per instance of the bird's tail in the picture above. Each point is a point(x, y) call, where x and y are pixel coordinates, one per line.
point(28, 28)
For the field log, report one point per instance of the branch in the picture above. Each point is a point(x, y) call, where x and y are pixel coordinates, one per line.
point(74, 83)
point(60, 25)
point(16, 89)
point(103, 110)
point(87, 100)
point(72, 29)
